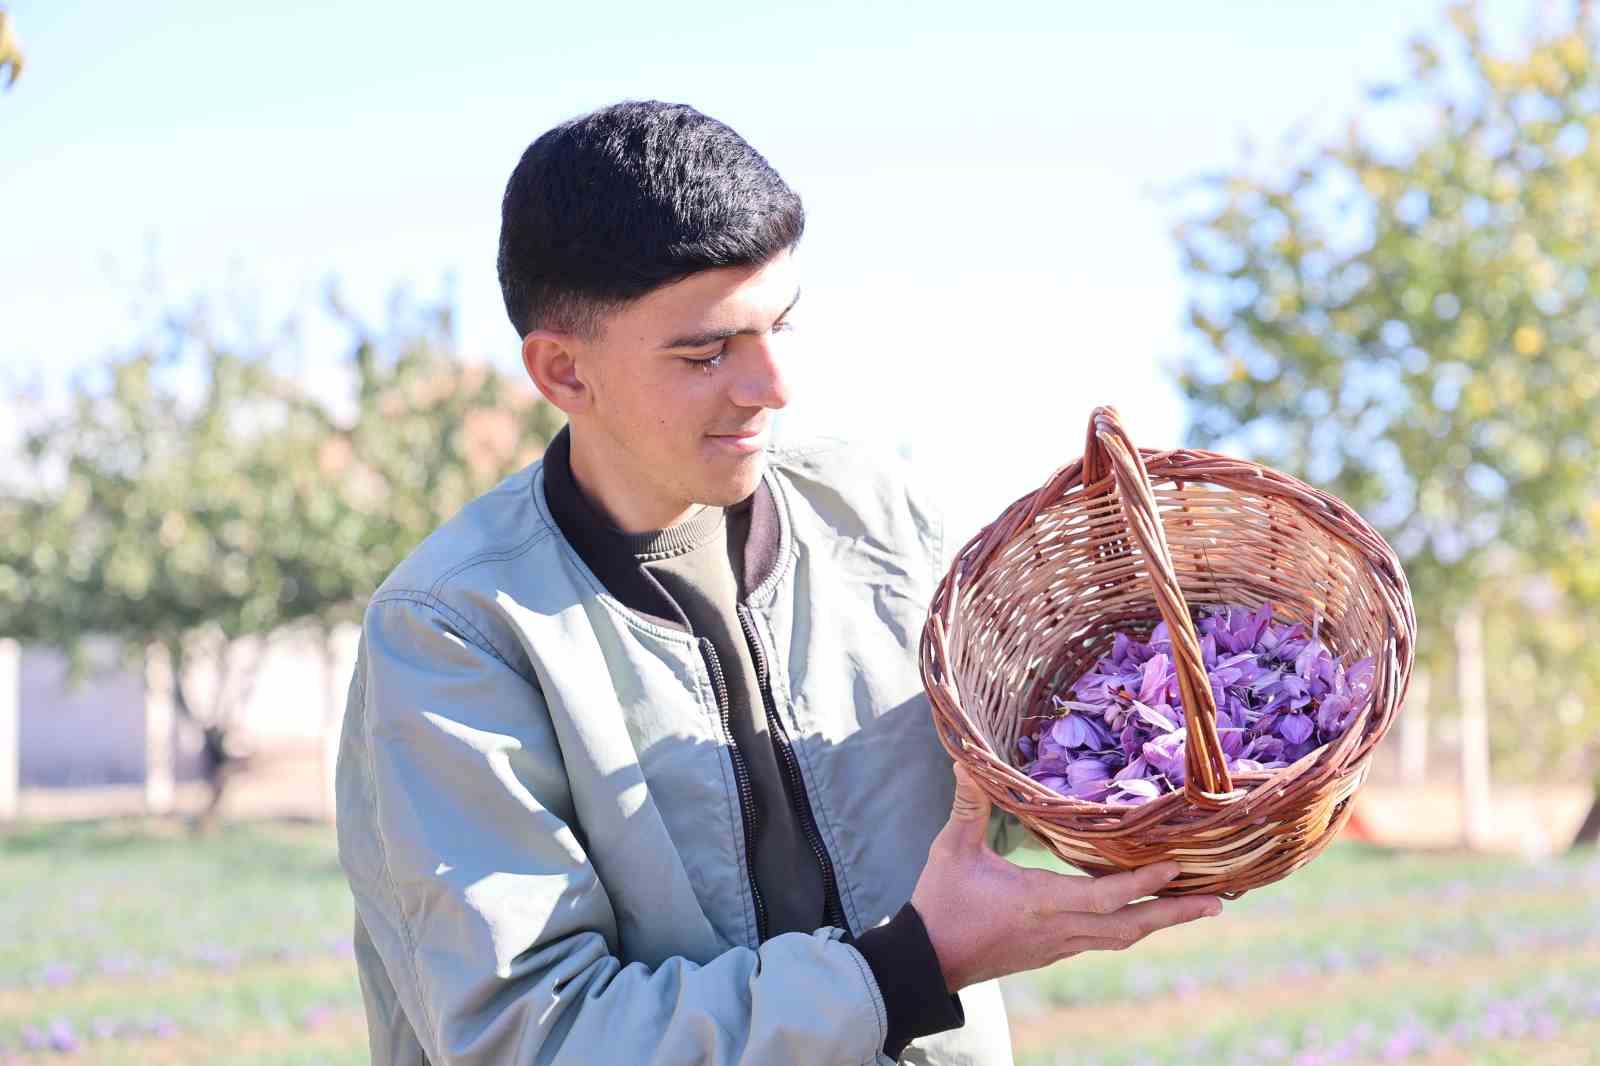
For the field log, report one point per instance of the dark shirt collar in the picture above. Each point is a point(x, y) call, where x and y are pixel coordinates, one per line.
point(615, 556)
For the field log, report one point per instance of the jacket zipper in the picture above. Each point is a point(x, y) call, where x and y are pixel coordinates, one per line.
point(797, 790)
point(741, 777)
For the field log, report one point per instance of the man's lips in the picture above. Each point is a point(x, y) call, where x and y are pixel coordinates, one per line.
point(742, 443)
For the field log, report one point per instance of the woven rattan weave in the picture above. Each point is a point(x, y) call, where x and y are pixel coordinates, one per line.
point(1118, 541)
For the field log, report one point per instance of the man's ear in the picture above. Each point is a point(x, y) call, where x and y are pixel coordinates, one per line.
point(552, 362)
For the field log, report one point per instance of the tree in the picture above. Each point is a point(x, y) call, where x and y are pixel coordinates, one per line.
point(194, 495)
point(10, 50)
point(159, 510)
point(1418, 330)
point(427, 434)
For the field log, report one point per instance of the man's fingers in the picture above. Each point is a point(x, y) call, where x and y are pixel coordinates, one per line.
point(1091, 943)
point(1113, 932)
point(1139, 920)
point(969, 811)
point(1109, 893)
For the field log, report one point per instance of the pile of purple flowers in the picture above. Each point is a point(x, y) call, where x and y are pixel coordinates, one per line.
point(1119, 738)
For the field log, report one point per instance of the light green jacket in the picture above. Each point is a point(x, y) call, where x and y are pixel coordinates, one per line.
point(536, 803)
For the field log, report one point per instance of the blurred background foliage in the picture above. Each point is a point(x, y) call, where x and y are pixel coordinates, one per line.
point(1410, 321)
point(10, 49)
point(1413, 324)
point(192, 493)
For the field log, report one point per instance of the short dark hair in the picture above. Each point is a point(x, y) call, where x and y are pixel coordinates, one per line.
point(606, 207)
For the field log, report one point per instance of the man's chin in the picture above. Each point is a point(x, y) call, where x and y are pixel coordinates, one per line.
point(736, 487)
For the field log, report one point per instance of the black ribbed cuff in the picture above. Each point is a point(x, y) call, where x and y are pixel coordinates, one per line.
point(907, 971)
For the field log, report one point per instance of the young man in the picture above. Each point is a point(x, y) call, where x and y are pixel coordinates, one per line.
point(637, 766)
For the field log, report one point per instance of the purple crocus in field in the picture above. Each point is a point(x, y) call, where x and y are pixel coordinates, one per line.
point(161, 1027)
point(317, 1016)
point(1117, 735)
point(62, 1038)
point(56, 974)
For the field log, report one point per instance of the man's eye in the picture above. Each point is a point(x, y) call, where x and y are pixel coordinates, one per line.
point(711, 363)
point(714, 360)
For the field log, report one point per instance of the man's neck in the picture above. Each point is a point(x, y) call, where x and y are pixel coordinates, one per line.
point(629, 510)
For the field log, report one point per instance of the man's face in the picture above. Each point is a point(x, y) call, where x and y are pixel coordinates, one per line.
point(674, 380)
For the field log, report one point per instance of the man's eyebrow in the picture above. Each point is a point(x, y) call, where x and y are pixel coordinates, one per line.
point(712, 336)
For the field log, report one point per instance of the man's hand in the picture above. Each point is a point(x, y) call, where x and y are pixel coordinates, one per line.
point(988, 917)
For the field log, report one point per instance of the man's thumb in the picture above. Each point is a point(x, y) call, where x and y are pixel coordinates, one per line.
point(969, 811)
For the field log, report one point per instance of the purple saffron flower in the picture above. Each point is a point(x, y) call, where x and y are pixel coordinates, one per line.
point(1358, 679)
point(1156, 679)
point(1093, 790)
point(1054, 765)
point(1264, 748)
point(1139, 767)
point(62, 1038)
point(317, 1016)
point(1256, 625)
point(1278, 690)
point(1132, 740)
point(56, 974)
point(1073, 731)
point(1333, 713)
point(1165, 753)
point(1134, 790)
point(1160, 717)
point(1082, 770)
point(1295, 728)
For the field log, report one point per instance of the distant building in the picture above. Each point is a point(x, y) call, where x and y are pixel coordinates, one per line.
point(91, 731)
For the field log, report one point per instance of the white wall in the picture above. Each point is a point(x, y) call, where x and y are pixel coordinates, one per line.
point(93, 732)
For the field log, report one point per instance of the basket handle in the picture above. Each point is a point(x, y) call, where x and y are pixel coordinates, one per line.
point(1108, 449)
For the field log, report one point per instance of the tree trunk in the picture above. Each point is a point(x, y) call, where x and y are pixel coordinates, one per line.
point(10, 727)
point(1414, 732)
point(210, 816)
point(159, 780)
point(332, 718)
point(217, 766)
point(215, 762)
point(1472, 685)
point(1589, 831)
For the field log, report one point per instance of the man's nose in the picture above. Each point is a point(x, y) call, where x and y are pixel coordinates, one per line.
point(761, 382)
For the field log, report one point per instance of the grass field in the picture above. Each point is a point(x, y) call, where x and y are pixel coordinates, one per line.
point(126, 943)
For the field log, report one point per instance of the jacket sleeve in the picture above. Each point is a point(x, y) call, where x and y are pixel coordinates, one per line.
point(457, 835)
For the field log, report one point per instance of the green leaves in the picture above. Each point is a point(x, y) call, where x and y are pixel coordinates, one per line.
point(1413, 323)
point(208, 489)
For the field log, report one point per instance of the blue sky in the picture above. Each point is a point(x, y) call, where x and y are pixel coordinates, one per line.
point(985, 256)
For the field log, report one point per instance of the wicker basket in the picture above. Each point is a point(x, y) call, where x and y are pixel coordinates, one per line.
point(1120, 540)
